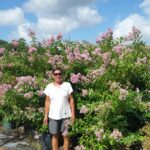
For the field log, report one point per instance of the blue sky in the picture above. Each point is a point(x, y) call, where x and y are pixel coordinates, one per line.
point(76, 19)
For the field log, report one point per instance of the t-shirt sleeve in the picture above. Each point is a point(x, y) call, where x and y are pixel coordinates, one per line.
point(70, 89)
point(46, 91)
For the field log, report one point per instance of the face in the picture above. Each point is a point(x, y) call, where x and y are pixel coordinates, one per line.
point(57, 75)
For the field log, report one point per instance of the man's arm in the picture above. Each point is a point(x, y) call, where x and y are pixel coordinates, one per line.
point(47, 105)
point(72, 106)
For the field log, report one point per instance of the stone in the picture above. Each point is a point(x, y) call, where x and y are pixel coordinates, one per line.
point(146, 144)
point(36, 145)
point(2, 148)
point(6, 125)
point(146, 129)
point(17, 145)
point(4, 138)
point(21, 130)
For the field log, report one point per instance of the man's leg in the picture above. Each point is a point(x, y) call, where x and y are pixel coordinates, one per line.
point(66, 142)
point(55, 141)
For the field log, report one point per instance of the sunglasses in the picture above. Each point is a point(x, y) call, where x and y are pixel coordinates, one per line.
point(56, 74)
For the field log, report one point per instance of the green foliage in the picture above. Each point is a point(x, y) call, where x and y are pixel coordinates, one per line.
point(44, 129)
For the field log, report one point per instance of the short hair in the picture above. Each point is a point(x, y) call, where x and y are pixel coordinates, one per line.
point(56, 68)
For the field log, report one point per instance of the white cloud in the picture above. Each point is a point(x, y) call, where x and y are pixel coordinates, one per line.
point(54, 7)
point(44, 28)
point(64, 24)
point(11, 17)
point(88, 16)
point(55, 16)
point(39, 7)
point(146, 6)
point(123, 27)
point(21, 32)
point(67, 23)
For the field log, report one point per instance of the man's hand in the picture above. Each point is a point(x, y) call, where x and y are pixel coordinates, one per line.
point(45, 121)
point(72, 118)
point(47, 105)
point(71, 100)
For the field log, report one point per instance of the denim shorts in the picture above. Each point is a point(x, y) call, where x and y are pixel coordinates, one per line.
point(57, 126)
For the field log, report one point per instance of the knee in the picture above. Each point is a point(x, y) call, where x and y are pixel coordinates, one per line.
point(55, 136)
point(66, 138)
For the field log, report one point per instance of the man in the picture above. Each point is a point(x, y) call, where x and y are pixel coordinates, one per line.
point(59, 106)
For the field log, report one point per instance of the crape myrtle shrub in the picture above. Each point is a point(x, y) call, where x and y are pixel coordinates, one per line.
point(111, 82)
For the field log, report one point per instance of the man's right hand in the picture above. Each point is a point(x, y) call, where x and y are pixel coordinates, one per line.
point(45, 121)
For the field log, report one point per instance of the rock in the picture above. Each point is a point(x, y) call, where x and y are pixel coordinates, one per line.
point(16, 139)
point(6, 125)
point(4, 138)
point(146, 129)
point(36, 145)
point(146, 144)
point(2, 148)
point(21, 130)
point(17, 145)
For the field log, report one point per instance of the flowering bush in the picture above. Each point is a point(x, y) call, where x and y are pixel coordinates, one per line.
point(111, 82)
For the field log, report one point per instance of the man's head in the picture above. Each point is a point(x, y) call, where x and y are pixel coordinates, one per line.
point(57, 72)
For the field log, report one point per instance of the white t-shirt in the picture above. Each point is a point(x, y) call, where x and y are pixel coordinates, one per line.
point(59, 100)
